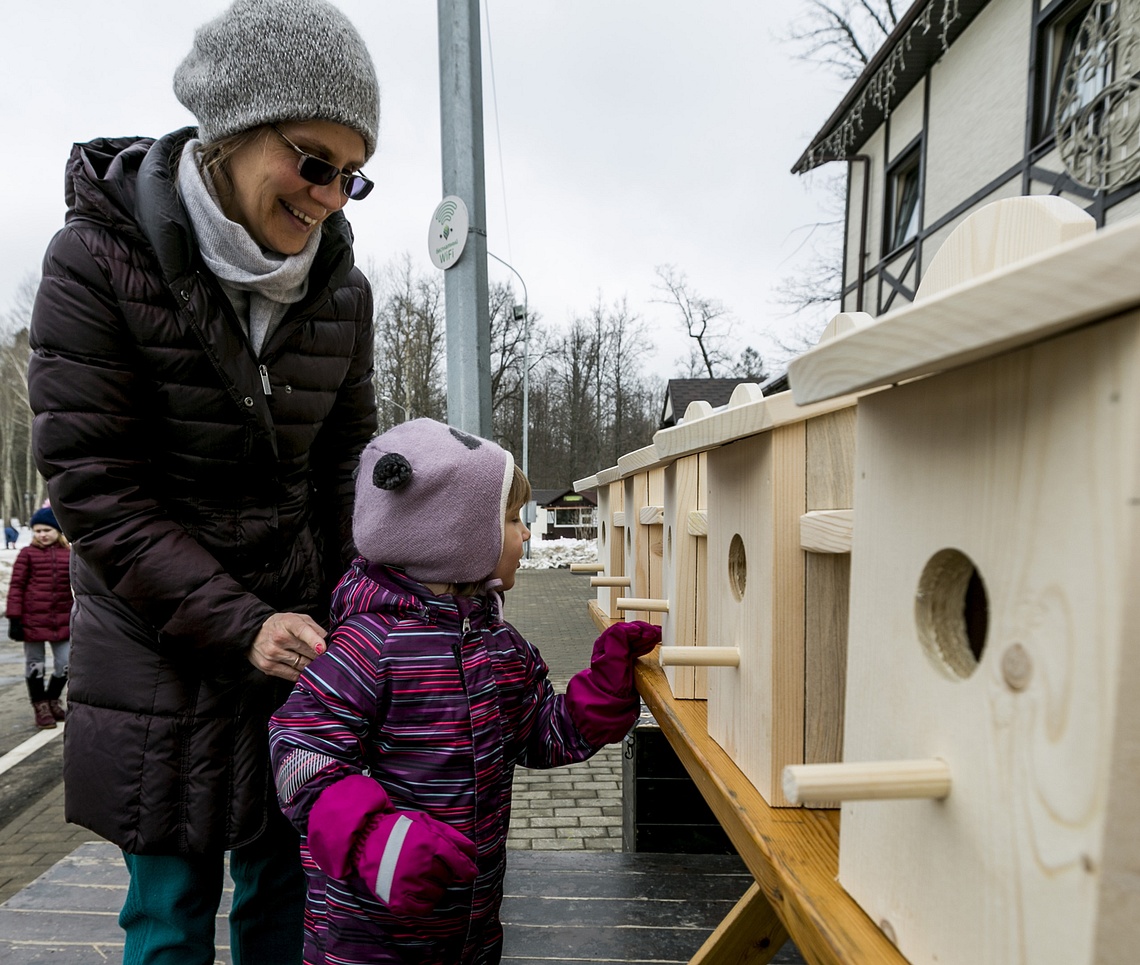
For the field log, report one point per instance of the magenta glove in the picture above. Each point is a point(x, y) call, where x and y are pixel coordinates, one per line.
point(406, 858)
point(602, 699)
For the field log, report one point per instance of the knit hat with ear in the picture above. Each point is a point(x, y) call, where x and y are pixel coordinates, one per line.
point(264, 61)
point(431, 500)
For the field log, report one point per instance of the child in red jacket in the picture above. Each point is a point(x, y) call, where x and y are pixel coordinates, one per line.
point(39, 613)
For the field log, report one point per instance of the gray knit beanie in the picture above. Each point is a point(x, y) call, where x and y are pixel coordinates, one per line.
point(431, 500)
point(264, 61)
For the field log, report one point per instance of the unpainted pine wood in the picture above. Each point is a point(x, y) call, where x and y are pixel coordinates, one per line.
point(679, 568)
point(750, 934)
point(827, 531)
point(756, 494)
point(731, 423)
point(654, 537)
point(1031, 473)
point(701, 674)
point(611, 542)
point(1003, 233)
point(830, 485)
point(635, 489)
point(1117, 932)
point(792, 853)
point(1090, 278)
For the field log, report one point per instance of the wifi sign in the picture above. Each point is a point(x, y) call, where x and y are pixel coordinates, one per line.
point(447, 232)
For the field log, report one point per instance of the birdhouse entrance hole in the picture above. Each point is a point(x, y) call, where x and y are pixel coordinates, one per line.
point(952, 613)
point(737, 566)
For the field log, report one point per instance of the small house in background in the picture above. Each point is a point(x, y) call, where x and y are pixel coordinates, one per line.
point(564, 514)
point(680, 392)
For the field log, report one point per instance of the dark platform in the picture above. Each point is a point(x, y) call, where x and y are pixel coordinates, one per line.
point(559, 907)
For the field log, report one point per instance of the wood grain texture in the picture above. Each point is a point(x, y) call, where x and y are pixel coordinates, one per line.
point(756, 495)
point(827, 531)
point(1031, 476)
point(1090, 278)
point(750, 934)
point(681, 484)
point(792, 853)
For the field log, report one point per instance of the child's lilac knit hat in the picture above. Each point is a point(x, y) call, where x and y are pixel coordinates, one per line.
point(431, 501)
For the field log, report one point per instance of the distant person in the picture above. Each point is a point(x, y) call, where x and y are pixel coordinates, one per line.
point(201, 377)
point(11, 534)
point(394, 754)
point(39, 612)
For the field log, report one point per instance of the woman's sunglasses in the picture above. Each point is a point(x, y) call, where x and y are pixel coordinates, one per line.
point(316, 171)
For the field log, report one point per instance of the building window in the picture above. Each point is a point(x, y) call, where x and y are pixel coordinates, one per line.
point(1056, 38)
point(904, 188)
point(574, 517)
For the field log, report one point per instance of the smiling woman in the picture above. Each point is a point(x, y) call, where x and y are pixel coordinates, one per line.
point(202, 382)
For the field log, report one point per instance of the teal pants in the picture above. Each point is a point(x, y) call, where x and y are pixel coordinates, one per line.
point(172, 903)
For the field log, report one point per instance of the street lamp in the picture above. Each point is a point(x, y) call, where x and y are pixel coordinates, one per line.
point(384, 398)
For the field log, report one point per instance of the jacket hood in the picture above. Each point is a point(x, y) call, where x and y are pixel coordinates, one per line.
point(375, 588)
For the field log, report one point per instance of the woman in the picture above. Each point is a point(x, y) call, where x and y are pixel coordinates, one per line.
point(201, 379)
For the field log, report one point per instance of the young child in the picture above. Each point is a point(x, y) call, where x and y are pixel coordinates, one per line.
point(395, 752)
point(39, 613)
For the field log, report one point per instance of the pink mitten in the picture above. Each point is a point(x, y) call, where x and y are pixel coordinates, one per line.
point(601, 698)
point(406, 858)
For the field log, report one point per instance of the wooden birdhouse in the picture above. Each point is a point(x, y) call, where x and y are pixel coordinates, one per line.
point(757, 458)
point(610, 580)
point(992, 725)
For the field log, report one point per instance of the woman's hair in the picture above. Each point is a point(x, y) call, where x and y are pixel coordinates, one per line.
point(214, 157)
point(517, 497)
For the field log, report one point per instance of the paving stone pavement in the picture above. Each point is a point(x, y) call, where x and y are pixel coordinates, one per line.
point(575, 808)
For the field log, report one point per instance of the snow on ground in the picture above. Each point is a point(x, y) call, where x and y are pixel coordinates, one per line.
point(552, 554)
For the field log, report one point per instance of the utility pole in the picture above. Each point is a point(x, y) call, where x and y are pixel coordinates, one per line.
point(465, 283)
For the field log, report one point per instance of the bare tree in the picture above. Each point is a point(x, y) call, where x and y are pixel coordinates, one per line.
point(22, 488)
point(843, 35)
point(410, 346)
point(706, 320)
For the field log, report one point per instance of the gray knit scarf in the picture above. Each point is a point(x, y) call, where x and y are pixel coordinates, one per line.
point(260, 284)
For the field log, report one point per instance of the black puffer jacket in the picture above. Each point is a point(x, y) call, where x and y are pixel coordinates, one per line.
point(202, 489)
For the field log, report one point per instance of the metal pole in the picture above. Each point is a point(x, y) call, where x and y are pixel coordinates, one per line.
point(465, 284)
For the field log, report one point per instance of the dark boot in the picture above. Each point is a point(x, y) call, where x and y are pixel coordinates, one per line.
point(44, 718)
point(54, 691)
point(40, 706)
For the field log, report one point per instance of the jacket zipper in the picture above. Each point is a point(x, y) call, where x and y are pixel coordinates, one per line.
point(265, 386)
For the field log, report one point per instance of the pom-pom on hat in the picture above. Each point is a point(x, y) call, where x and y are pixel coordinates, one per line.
point(431, 500)
point(44, 517)
point(264, 61)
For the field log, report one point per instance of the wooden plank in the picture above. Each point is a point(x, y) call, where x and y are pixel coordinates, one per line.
point(756, 496)
point(732, 424)
point(827, 531)
point(1030, 476)
point(792, 853)
point(652, 516)
point(698, 523)
point(1088, 279)
point(750, 934)
point(830, 494)
point(679, 568)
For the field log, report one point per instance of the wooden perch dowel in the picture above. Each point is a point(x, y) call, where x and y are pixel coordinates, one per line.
point(587, 567)
point(649, 606)
point(609, 581)
point(870, 781)
point(699, 656)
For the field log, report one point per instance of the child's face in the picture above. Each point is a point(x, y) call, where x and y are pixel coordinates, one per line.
point(515, 534)
point(44, 535)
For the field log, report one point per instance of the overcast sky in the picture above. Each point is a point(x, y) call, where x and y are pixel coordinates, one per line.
point(620, 135)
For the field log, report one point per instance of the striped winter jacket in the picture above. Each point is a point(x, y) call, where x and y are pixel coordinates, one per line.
point(437, 699)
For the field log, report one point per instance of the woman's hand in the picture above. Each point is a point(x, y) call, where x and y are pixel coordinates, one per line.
point(286, 644)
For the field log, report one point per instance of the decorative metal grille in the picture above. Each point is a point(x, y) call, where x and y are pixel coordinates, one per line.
point(1098, 105)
